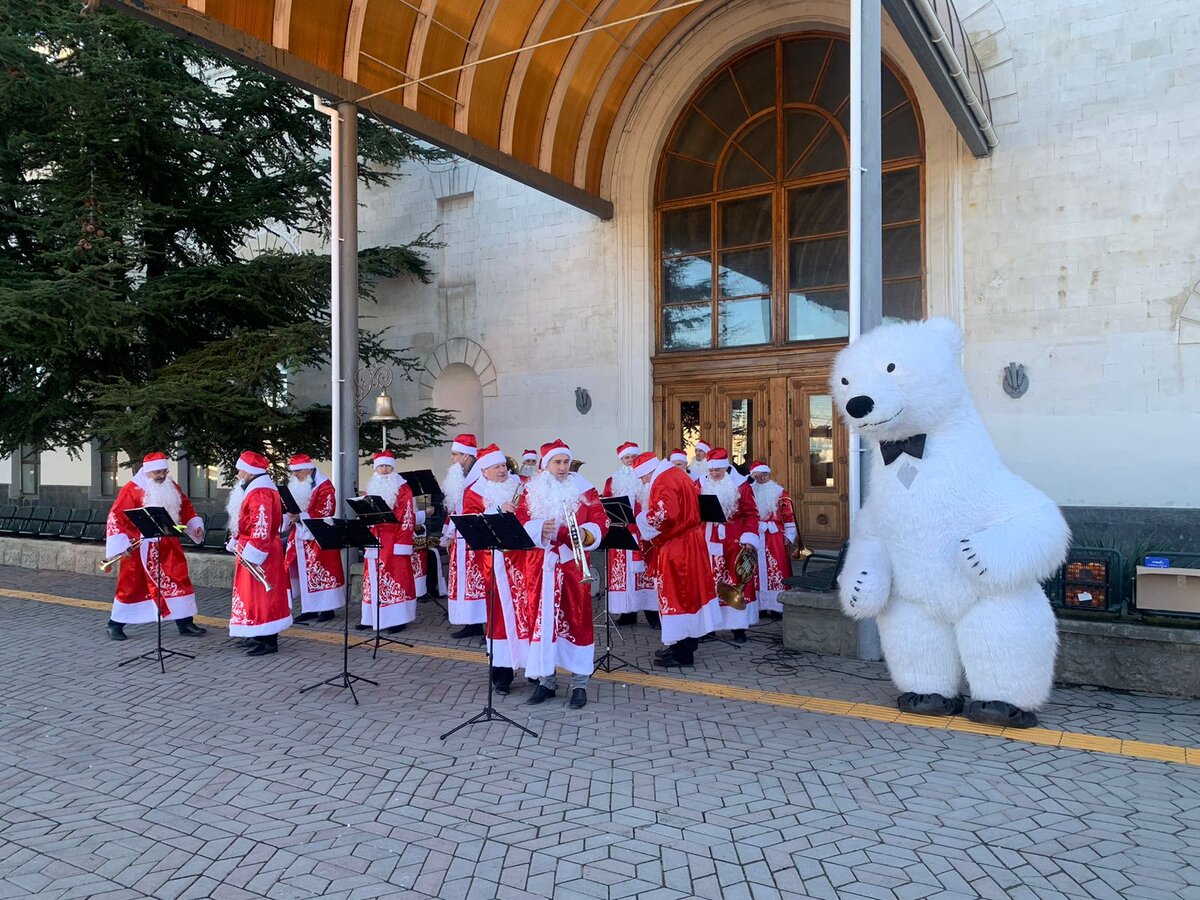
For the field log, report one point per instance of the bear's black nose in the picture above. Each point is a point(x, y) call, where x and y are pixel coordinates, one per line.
point(859, 406)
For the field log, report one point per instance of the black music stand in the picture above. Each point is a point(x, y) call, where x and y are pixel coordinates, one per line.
point(425, 484)
point(373, 510)
point(342, 534)
point(497, 532)
point(289, 501)
point(155, 523)
point(618, 537)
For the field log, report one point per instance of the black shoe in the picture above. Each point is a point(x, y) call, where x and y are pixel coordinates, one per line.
point(578, 698)
point(674, 660)
point(663, 651)
point(929, 704)
point(304, 618)
point(540, 695)
point(627, 619)
point(328, 616)
point(532, 680)
point(247, 643)
point(362, 626)
point(264, 649)
point(502, 688)
point(395, 629)
point(116, 631)
point(998, 712)
point(652, 619)
point(739, 635)
point(468, 631)
point(191, 629)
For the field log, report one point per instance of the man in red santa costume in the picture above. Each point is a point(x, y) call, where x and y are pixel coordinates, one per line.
point(699, 467)
point(262, 603)
point(495, 490)
point(466, 594)
point(677, 559)
point(726, 539)
point(630, 589)
point(679, 458)
point(155, 561)
point(776, 529)
point(559, 602)
point(529, 465)
point(389, 595)
point(316, 575)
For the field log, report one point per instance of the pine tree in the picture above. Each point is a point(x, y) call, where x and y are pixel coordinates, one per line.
point(138, 172)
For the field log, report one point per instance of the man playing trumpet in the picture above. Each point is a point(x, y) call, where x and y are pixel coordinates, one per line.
point(261, 602)
point(147, 564)
point(559, 601)
point(776, 529)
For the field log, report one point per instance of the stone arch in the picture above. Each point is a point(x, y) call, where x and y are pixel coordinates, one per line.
point(459, 351)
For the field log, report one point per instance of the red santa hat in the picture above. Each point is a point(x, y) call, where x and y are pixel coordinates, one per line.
point(529, 456)
point(465, 443)
point(386, 458)
point(758, 466)
point(718, 458)
point(645, 464)
point(254, 463)
point(490, 456)
point(155, 462)
point(300, 462)
point(628, 447)
point(678, 455)
point(553, 449)
point(703, 447)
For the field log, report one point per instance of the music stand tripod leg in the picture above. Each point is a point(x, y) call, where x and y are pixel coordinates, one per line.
point(344, 679)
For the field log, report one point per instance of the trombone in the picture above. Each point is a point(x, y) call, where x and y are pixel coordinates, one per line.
point(577, 543)
point(108, 562)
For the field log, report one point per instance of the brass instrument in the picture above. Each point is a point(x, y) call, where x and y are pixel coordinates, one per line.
point(256, 572)
point(799, 551)
point(744, 569)
point(576, 465)
point(108, 562)
point(577, 543)
point(517, 494)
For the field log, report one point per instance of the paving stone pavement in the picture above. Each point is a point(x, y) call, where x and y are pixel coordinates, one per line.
point(219, 780)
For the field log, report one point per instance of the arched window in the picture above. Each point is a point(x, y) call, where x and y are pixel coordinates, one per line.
point(753, 198)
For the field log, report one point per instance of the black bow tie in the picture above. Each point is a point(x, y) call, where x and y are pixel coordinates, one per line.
point(914, 446)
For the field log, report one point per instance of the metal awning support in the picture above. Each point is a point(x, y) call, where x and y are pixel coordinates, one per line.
point(866, 226)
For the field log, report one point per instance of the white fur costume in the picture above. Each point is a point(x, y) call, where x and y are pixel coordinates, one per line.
point(949, 550)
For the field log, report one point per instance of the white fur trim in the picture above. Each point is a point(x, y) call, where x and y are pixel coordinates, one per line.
point(300, 467)
point(495, 458)
point(402, 549)
point(646, 468)
point(717, 463)
point(253, 470)
point(632, 448)
point(758, 470)
point(703, 447)
point(265, 628)
point(156, 465)
point(558, 451)
point(678, 457)
point(254, 555)
point(691, 625)
point(145, 611)
point(463, 448)
point(116, 544)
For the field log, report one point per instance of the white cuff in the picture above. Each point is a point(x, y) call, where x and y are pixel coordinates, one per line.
point(402, 549)
point(789, 533)
point(420, 517)
point(751, 538)
point(231, 545)
point(252, 554)
point(371, 553)
point(533, 528)
point(648, 532)
point(116, 544)
point(594, 530)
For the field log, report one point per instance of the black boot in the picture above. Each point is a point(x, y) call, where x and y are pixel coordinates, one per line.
point(739, 635)
point(116, 630)
point(468, 631)
point(578, 698)
point(681, 653)
point(502, 677)
point(247, 643)
point(998, 712)
point(266, 645)
point(327, 616)
point(363, 626)
point(627, 619)
point(188, 628)
point(653, 620)
point(929, 704)
point(304, 618)
point(540, 695)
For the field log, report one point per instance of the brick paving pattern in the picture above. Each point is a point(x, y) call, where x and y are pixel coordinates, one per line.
point(219, 780)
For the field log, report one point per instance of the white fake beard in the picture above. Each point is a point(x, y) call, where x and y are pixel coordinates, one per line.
point(453, 486)
point(724, 490)
point(233, 506)
point(385, 486)
point(766, 497)
point(528, 470)
point(625, 483)
point(643, 495)
point(302, 490)
point(547, 495)
point(164, 495)
point(495, 493)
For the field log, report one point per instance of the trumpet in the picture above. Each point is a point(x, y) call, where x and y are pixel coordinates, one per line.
point(577, 543)
point(256, 572)
point(517, 494)
point(108, 562)
point(744, 568)
point(799, 551)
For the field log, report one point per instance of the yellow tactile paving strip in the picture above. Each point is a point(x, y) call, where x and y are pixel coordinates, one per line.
point(1066, 740)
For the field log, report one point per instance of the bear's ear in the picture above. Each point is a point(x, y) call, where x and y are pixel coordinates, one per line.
point(948, 331)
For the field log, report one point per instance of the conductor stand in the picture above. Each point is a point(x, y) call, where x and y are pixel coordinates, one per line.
point(497, 532)
point(373, 510)
point(427, 492)
point(618, 537)
point(342, 534)
point(154, 523)
point(711, 513)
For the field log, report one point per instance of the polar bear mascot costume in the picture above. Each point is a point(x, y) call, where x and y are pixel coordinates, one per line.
point(949, 549)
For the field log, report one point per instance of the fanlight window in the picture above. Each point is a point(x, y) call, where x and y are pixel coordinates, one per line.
point(753, 198)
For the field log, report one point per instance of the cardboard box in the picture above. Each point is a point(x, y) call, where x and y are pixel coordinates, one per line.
point(1168, 590)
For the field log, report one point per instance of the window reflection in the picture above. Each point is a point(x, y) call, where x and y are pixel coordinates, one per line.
point(820, 441)
point(741, 441)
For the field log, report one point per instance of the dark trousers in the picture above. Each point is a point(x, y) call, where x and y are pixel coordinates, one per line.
point(181, 624)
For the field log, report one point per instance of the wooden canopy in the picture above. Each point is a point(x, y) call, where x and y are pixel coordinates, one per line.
point(453, 71)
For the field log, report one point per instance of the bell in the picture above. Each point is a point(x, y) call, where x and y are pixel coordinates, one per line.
point(383, 410)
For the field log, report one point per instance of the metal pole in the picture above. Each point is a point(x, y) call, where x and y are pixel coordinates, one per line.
point(866, 227)
point(344, 303)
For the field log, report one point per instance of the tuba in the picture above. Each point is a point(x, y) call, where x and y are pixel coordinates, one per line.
point(744, 569)
point(577, 536)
